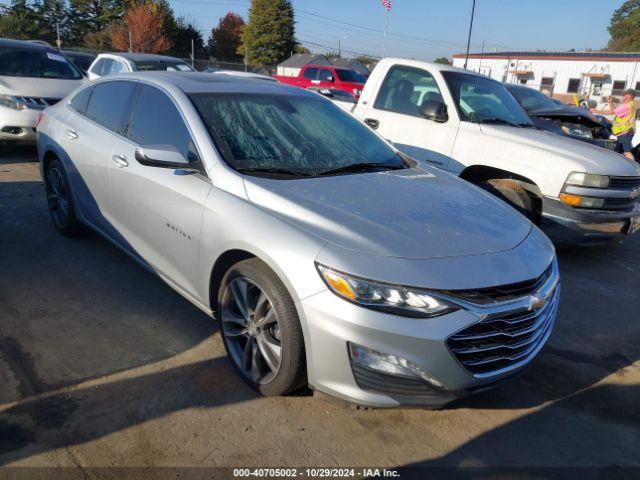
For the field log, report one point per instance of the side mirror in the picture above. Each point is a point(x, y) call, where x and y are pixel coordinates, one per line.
point(166, 156)
point(434, 110)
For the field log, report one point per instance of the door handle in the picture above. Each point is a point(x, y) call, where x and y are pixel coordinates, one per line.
point(121, 160)
point(71, 134)
point(372, 122)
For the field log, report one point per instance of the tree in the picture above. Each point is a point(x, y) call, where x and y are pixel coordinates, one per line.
point(269, 35)
point(226, 39)
point(53, 17)
point(442, 61)
point(92, 16)
point(625, 27)
point(146, 27)
point(20, 22)
point(184, 33)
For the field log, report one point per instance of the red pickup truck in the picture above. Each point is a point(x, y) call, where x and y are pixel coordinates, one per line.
point(326, 77)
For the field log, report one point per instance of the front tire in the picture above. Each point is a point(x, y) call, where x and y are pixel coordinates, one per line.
point(515, 195)
point(60, 200)
point(261, 329)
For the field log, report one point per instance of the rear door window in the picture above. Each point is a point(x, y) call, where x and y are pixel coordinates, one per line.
point(156, 121)
point(80, 100)
point(310, 73)
point(110, 105)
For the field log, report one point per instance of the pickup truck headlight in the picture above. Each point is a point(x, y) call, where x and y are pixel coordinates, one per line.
point(384, 297)
point(576, 130)
point(12, 102)
point(588, 180)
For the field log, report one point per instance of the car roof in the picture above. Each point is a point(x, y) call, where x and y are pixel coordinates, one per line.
point(7, 42)
point(140, 56)
point(79, 53)
point(203, 82)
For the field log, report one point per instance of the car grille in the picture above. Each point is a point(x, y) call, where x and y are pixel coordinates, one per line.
point(504, 293)
point(619, 203)
point(496, 345)
point(38, 102)
point(374, 381)
point(624, 182)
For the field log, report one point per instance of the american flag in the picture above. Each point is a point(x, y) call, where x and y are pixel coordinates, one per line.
point(387, 5)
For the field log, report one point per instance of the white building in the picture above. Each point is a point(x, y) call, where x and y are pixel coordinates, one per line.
point(560, 74)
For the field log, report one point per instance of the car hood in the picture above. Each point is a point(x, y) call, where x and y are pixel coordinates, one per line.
point(573, 114)
point(530, 143)
point(37, 87)
point(412, 213)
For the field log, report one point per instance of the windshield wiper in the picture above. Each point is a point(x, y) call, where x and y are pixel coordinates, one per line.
point(528, 125)
point(276, 170)
point(498, 121)
point(363, 167)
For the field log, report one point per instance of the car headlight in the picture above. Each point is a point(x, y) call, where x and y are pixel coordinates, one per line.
point(576, 130)
point(12, 102)
point(588, 180)
point(384, 297)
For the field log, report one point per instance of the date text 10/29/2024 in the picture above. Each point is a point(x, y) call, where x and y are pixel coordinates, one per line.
point(315, 473)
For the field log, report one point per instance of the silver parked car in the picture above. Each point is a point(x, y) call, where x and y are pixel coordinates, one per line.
point(328, 257)
point(32, 77)
point(123, 62)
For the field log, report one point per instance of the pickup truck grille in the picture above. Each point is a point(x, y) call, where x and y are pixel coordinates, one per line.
point(619, 203)
point(495, 346)
point(504, 293)
point(624, 182)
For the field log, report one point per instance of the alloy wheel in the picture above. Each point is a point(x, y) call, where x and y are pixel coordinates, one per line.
point(57, 197)
point(251, 330)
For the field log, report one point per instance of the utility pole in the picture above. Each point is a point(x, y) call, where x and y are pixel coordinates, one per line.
point(246, 55)
point(386, 27)
point(339, 49)
point(473, 12)
point(130, 43)
point(193, 54)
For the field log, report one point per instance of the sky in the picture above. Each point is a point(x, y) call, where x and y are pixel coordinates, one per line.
point(427, 29)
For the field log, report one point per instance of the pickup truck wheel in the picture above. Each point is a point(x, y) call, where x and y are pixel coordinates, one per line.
point(515, 195)
point(261, 329)
point(60, 200)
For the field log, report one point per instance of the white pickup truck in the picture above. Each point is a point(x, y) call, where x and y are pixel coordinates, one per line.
point(471, 126)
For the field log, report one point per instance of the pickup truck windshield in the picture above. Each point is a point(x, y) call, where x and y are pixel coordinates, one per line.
point(295, 135)
point(36, 63)
point(481, 100)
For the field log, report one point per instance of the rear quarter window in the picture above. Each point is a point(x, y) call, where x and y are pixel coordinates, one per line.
point(80, 100)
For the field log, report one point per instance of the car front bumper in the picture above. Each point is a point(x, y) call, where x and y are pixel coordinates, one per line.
point(573, 226)
point(18, 125)
point(426, 344)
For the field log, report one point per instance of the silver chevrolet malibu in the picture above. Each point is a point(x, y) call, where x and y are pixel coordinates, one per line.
point(329, 258)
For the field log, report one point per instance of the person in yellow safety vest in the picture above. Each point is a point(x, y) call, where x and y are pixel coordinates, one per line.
point(624, 122)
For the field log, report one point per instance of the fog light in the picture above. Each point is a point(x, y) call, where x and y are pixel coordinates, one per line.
point(389, 364)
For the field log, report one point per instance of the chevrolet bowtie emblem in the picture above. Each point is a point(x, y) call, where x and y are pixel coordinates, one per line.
point(536, 303)
point(634, 194)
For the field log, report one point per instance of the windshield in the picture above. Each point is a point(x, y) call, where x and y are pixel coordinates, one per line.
point(302, 133)
point(350, 76)
point(36, 63)
point(162, 65)
point(481, 100)
point(532, 99)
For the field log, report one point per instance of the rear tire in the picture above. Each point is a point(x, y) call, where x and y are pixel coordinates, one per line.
point(60, 200)
point(515, 195)
point(260, 328)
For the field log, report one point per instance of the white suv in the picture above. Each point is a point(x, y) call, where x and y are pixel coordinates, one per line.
point(32, 77)
point(114, 63)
